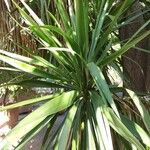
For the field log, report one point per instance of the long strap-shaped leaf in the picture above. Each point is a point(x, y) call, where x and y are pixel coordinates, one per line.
point(33, 133)
point(82, 30)
point(120, 128)
point(44, 35)
point(136, 130)
point(35, 60)
point(125, 48)
point(21, 58)
point(37, 83)
point(102, 85)
point(98, 27)
point(102, 123)
point(28, 102)
point(31, 121)
point(63, 14)
point(26, 67)
point(32, 13)
point(89, 136)
point(76, 130)
point(121, 9)
point(144, 113)
point(64, 134)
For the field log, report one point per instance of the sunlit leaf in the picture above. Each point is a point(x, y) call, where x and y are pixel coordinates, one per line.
point(32, 120)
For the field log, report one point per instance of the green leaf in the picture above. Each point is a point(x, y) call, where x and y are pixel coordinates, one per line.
point(48, 134)
point(125, 47)
point(141, 108)
point(39, 83)
point(142, 49)
point(120, 128)
point(44, 62)
point(53, 18)
point(82, 30)
point(102, 123)
point(136, 130)
point(28, 102)
point(65, 132)
point(90, 140)
point(27, 18)
point(139, 30)
point(47, 38)
point(10, 69)
point(70, 42)
point(26, 67)
point(32, 13)
point(32, 120)
point(102, 85)
point(121, 8)
point(76, 130)
point(132, 18)
point(98, 27)
point(33, 133)
point(22, 58)
point(52, 49)
point(63, 13)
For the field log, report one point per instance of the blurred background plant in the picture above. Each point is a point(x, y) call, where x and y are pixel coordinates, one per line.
point(78, 47)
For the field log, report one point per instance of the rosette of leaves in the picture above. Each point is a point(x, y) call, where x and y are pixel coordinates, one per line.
point(80, 40)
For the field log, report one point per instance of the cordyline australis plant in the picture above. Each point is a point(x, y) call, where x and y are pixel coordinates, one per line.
point(80, 40)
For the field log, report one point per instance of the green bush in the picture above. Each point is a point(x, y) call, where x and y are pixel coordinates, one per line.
point(79, 41)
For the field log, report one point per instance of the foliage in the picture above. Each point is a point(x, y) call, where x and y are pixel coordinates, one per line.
point(80, 40)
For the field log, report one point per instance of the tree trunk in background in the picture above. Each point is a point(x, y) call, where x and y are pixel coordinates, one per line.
point(148, 62)
point(10, 32)
point(8, 118)
point(135, 61)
